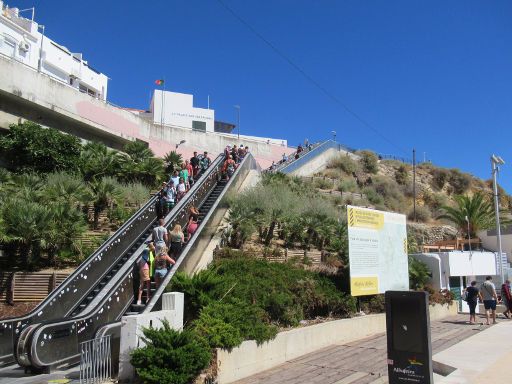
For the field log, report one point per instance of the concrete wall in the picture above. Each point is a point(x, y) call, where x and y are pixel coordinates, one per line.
point(249, 358)
point(31, 95)
point(489, 241)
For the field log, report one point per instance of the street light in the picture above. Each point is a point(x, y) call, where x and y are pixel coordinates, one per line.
point(238, 124)
point(495, 162)
point(181, 142)
point(333, 135)
point(40, 63)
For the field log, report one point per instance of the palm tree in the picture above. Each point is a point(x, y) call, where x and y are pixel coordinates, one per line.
point(64, 187)
point(138, 151)
point(477, 209)
point(25, 223)
point(98, 161)
point(173, 161)
point(105, 191)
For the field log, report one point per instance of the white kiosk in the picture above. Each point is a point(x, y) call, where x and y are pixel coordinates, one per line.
point(454, 270)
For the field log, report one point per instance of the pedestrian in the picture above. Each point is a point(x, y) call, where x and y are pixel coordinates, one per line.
point(228, 168)
point(241, 153)
point(163, 200)
point(175, 178)
point(193, 222)
point(176, 239)
point(472, 300)
point(306, 143)
point(160, 236)
point(170, 196)
point(145, 280)
point(152, 252)
point(194, 161)
point(205, 162)
point(506, 298)
point(190, 171)
point(285, 158)
point(162, 263)
point(181, 189)
point(234, 153)
point(184, 175)
point(488, 295)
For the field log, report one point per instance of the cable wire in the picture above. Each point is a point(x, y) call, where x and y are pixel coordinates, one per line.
point(308, 77)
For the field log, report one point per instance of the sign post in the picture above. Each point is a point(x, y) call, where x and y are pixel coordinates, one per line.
point(377, 251)
point(408, 334)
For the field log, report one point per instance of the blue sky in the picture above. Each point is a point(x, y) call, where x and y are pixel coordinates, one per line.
point(431, 75)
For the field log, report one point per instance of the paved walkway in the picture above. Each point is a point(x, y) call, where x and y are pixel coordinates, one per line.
point(362, 361)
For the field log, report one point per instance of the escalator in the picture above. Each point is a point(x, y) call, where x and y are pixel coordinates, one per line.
point(81, 286)
point(56, 342)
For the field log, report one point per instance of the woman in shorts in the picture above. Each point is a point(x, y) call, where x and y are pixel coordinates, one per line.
point(145, 280)
point(162, 263)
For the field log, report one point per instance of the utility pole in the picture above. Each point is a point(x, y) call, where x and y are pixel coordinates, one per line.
point(238, 118)
point(414, 183)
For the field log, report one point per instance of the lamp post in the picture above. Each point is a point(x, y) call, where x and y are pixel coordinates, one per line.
point(495, 162)
point(237, 107)
point(40, 63)
point(469, 234)
point(181, 142)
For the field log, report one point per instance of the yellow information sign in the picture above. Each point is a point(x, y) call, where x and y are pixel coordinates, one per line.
point(364, 218)
point(361, 286)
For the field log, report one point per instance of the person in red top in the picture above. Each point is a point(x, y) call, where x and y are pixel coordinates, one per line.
point(506, 297)
point(229, 166)
point(190, 170)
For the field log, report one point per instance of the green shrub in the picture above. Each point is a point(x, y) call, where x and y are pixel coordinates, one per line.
point(402, 175)
point(226, 325)
point(323, 183)
point(459, 181)
point(439, 177)
point(386, 192)
point(369, 161)
point(343, 162)
point(347, 185)
point(170, 356)
point(423, 214)
point(372, 196)
point(419, 273)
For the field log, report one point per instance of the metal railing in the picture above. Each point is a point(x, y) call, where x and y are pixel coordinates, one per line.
point(95, 360)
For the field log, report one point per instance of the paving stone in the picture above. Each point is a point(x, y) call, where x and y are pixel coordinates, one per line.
point(358, 362)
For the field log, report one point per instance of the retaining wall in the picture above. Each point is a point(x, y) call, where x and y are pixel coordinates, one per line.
point(249, 358)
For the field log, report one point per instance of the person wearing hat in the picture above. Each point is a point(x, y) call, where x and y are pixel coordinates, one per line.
point(145, 280)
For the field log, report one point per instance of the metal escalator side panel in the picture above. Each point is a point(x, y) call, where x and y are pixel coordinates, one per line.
point(296, 163)
point(58, 342)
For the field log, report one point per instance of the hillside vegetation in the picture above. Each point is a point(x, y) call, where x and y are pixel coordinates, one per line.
point(387, 185)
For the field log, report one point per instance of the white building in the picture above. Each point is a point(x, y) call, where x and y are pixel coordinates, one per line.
point(24, 40)
point(177, 110)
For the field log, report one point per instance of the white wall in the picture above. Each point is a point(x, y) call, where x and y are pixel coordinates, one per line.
point(179, 110)
point(57, 61)
point(489, 241)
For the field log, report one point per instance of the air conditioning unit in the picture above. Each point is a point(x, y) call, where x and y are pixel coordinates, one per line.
point(24, 46)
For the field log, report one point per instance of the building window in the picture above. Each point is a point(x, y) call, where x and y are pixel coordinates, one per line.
point(199, 126)
point(9, 47)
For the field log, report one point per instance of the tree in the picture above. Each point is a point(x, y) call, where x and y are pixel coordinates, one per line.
point(478, 210)
point(28, 147)
point(66, 188)
point(98, 161)
point(138, 151)
point(105, 191)
point(369, 161)
point(419, 274)
point(173, 161)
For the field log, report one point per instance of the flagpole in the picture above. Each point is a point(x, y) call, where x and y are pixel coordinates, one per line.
point(162, 110)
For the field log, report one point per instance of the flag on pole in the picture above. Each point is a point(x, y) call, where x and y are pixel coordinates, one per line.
point(159, 82)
